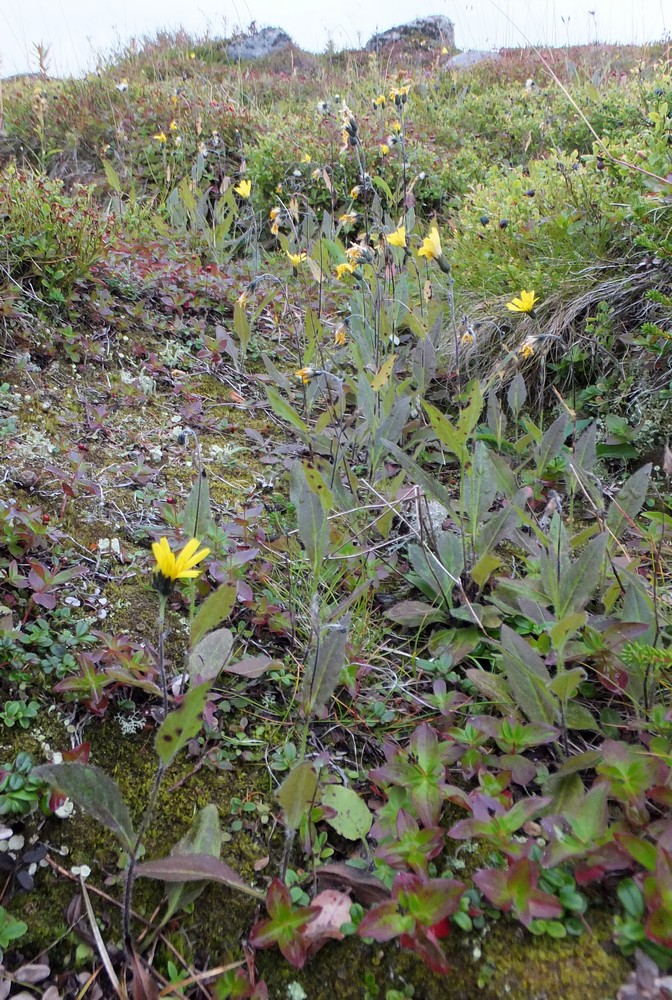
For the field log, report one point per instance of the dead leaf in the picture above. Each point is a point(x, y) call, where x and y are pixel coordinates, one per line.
point(365, 888)
point(667, 461)
point(334, 912)
point(144, 987)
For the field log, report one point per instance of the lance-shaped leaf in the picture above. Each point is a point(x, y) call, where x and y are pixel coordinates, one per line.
point(197, 517)
point(214, 610)
point(211, 654)
point(324, 667)
point(528, 678)
point(203, 837)
point(181, 725)
point(311, 518)
point(297, 793)
point(629, 500)
point(195, 867)
point(578, 584)
point(93, 791)
point(516, 890)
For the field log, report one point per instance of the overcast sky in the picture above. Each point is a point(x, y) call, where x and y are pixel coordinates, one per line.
point(76, 30)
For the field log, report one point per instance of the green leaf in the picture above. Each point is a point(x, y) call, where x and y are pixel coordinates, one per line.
point(326, 663)
point(552, 442)
point(216, 607)
point(578, 584)
point(297, 793)
point(197, 517)
point(353, 819)
point(112, 177)
point(203, 837)
point(283, 410)
point(190, 867)
point(208, 658)
point(629, 500)
point(577, 716)
point(93, 791)
point(566, 684)
point(311, 518)
point(528, 678)
point(241, 326)
point(516, 395)
point(181, 725)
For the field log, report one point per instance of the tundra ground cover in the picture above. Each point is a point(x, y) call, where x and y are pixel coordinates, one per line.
point(393, 348)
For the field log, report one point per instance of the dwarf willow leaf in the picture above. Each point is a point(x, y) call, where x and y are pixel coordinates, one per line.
point(93, 791)
point(353, 819)
point(181, 725)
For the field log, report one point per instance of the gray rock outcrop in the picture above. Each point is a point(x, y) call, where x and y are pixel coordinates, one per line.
point(436, 29)
point(466, 60)
point(258, 44)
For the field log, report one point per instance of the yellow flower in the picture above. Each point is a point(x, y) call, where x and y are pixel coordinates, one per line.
point(340, 336)
point(431, 245)
point(306, 158)
point(356, 254)
point(278, 188)
point(296, 258)
point(275, 228)
point(348, 218)
point(384, 149)
point(173, 126)
point(525, 304)
point(274, 213)
point(161, 137)
point(444, 51)
point(316, 174)
point(355, 191)
point(467, 339)
point(380, 101)
point(192, 55)
point(243, 189)
point(305, 374)
point(171, 567)
point(397, 238)
point(526, 349)
point(342, 269)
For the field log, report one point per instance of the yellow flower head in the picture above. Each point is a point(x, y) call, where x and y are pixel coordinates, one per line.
point(397, 238)
point(380, 101)
point(348, 218)
point(357, 254)
point(316, 174)
point(343, 269)
point(340, 336)
point(244, 188)
point(467, 339)
point(171, 567)
point(524, 304)
point(526, 349)
point(384, 149)
point(305, 374)
point(306, 158)
point(274, 213)
point(173, 126)
point(355, 191)
point(431, 245)
point(296, 258)
point(160, 137)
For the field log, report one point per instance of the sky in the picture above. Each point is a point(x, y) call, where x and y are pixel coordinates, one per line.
point(76, 31)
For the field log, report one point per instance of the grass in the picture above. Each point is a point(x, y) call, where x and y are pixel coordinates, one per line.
point(438, 586)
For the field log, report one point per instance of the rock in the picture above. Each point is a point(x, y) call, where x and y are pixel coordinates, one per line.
point(258, 44)
point(436, 29)
point(466, 60)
